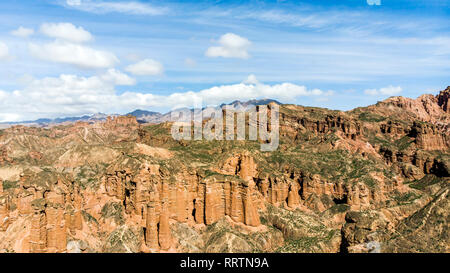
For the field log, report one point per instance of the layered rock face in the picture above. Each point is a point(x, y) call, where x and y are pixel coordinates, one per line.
point(425, 108)
point(121, 122)
point(54, 216)
point(429, 137)
point(317, 122)
point(443, 98)
point(4, 156)
point(202, 199)
point(361, 231)
point(4, 211)
point(339, 181)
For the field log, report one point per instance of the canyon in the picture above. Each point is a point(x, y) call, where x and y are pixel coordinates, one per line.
point(373, 179)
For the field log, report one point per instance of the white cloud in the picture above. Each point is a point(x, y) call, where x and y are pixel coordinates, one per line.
point(216, 95)
point(63, 95)
point(74, 95)
point(74, 54)
point(73, 2)
point(117, 78)
point(66, 31)
point(251, 88)
point(23, 32)
point(389, 91)
point(4, 51)
point(373, 2)
point(231, 46)
point(2, 94)
point(25, 79)
point(147, 67)
point(251, 79)
point(372, 92)
point(135, 8)
point(9, 117)
point(309, 19)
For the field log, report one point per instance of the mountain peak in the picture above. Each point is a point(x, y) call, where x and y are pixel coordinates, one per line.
point(443, 98)
point(140, 112)
point(252, 102)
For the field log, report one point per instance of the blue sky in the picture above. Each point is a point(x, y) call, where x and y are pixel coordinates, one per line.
point(61, 58)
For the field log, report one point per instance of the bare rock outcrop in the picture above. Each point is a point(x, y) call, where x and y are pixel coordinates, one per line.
point(242, 165)
point(429, 137)
point(4, 158)
point(292, 126)
point(4, 212)
point(361, 232)
point(442, 98)
point(339, 181)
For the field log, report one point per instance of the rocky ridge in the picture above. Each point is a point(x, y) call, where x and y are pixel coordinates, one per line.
point(352, 181)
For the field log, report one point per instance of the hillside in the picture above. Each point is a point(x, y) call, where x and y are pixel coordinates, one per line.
point(372, 179)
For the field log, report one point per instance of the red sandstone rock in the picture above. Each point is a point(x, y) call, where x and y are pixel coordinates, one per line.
point(151, 235)
point(151, 196)
point(165, 237)
point(242, 165)
point(443, 98)
point(4, 213)
point(250, 212)
point(35, 155)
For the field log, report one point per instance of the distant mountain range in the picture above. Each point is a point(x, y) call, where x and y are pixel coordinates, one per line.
point(142, 116)
point(252, 102)
point(45, 121)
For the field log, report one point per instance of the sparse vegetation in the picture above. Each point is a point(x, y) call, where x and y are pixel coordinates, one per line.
point(10, 184)
point(113, 210)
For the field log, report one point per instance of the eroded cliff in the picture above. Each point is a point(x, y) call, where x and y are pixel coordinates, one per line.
point(339, 181)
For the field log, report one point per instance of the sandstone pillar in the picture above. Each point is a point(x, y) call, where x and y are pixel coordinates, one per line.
point(61, 231)
point(172, 203)
point(120, 187)
point(237, 213)
point(247, 167)
point(151, 234)
point(140, 199)
point(165, 238)
point(251, 217)
point(181, 204)
point(52, 225)
point(4, 213)
point(78, 217)
point(293, 199)
point(264, 187)
point(38, 234)
point(24, 203)
point(200, 205)
point(227, 200)
point(210, 205)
